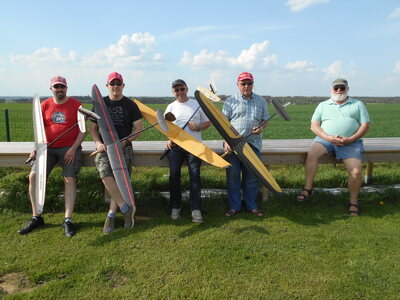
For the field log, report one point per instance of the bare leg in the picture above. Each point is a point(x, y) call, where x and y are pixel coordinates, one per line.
point(32, 178)
point(353, 166)
point(70, 195)
point(316, 151)
point(112, 188)
point(113, 206)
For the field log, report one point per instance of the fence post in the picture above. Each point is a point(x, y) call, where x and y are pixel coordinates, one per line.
point(7, 121)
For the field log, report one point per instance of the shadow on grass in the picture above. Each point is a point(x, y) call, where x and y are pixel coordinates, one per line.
point(324, 208)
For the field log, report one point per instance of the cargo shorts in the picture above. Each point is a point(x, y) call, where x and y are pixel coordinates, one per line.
point(103, 163)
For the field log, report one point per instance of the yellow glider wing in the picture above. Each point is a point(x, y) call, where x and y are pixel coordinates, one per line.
point(183, 139)
point(242, 149)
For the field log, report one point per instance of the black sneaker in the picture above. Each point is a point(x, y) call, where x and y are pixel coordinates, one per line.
point(34, 223)
point(69, 230)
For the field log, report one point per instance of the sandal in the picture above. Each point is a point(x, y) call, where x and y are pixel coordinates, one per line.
point(353, 212)
point(302, 197)
point(231, 213)
point(257, 213)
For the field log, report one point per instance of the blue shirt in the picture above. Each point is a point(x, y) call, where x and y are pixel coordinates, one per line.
point(245, 114)
point(341, 119)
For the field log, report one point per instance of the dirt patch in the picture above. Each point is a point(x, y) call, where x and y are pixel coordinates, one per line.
point(14, 283)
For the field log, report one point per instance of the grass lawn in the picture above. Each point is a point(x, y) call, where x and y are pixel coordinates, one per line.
point(297, 251)
point(312, 251)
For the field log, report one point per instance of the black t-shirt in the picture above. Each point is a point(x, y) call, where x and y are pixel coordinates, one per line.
point(123, 113)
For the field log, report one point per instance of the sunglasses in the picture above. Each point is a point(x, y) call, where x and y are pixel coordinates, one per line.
point(341, 87)
point(180, 89)
point(246, 83)
point(59, 86)
point(115, 83)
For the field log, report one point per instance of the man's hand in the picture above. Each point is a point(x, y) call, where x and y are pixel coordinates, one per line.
point(170, 144)
point(227, 148)
point(32, 156)
point(257, 130)
point(70, 156)
point(100, 147)
point(193, 126)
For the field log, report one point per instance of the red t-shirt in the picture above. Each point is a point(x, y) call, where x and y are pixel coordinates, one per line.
point(58, 118)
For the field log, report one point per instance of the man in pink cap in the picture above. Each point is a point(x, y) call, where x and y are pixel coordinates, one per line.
point(245, 110)
point(127, 119)
point(59, 114)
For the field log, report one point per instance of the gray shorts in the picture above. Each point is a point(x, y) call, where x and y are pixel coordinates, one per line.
point(56, 155)
point(103, 163)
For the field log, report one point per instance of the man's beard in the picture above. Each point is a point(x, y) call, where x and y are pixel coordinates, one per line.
point(338, 97)
point(60, 95)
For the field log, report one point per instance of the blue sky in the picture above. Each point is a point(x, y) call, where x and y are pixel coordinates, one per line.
point(292, 47)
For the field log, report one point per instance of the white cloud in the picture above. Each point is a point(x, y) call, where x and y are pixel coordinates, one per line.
point(45, 57)
point(248, 58)
point(128, 50)
point(135, 49)
point(334, 70)
point(395, 14)
point(301, 65)
point(271, 60)
point(397, 67)
point(299, 5)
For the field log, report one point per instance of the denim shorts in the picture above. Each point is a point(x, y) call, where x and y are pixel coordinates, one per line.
point(353, 150)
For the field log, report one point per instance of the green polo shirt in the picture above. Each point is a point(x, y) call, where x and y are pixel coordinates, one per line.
point(341, 119)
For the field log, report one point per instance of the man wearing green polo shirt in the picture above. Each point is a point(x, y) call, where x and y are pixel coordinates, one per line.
point(339, 123)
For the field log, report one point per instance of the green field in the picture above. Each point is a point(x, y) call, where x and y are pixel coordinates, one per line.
point(297, 251)
point(384, 123)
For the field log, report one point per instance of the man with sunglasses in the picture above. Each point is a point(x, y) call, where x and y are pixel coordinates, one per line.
point(245, 110)
point(193, 120)
point(59, 115)
point(339, 124)
point(127, 119)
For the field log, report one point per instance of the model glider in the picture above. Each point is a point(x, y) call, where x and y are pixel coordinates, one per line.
point(114, 149)
point(236, 141)
point(184, 139)
point(161, 121)
point(40, 167)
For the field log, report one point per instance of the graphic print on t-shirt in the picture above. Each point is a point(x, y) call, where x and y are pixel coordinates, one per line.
point(117, 115)
point(58, 117)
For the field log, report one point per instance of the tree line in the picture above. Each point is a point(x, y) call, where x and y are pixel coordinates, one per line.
point(166, 100)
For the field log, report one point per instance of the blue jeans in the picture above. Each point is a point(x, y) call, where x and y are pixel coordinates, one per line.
point(239, 178)
point(176, 158)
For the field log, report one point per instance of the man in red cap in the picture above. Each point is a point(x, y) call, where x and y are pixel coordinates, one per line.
point(59, 114)
point(127, 119)
point(245, 110)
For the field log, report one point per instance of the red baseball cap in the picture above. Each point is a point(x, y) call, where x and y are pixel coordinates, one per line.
point(58, 80)
point(114, 75)
point(245, 75)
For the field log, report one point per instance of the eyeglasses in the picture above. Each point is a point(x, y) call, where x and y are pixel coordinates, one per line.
point(180, 89)
point(59, 86)
point(341, 87)
point(117, 83)
point(246, 83)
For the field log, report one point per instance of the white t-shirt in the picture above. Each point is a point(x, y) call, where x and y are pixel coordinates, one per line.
point(183, 111)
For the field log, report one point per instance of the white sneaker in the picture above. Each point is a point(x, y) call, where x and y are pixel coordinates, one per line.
point(176, 214)
point(196, 216)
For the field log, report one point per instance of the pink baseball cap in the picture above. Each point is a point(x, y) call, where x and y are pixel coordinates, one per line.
point(245, 75)
point(114, 75)
point(58, 80)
